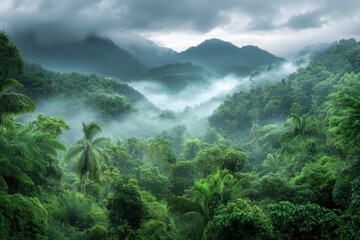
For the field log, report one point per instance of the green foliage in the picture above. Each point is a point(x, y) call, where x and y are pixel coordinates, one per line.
point(51, 125)
point(22, 218)
point(311, 221)
point(240, 220)
point(208, 160)
point(126, 208)
point(28, 159)
point(120, 157)
point(11, 63)
point(96, 232)
point(301, 130)
point(320, 179)
point(355, 196)
point(177, 136)
point(343, 113)
point(182, 176)
point(273, 163)
point(153, 181)
point(154, 230)
point(198, 205)
point(192, 146)
point(233, 160)
point(159, 224)
point(159, 153)
point(276, 187)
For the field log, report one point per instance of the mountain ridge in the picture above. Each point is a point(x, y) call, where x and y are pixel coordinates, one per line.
point(102, 56)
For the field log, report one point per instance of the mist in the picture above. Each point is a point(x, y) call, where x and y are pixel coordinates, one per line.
point(190, 107)
point(214, 91)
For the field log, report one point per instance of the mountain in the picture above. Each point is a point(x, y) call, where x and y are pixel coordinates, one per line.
point(149, 53)
point(91, 55)
point(153, 55)
point(98, 55)
point(224, 57)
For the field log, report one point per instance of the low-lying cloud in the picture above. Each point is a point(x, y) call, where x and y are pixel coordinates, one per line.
point(197, 94)
point(190, 107)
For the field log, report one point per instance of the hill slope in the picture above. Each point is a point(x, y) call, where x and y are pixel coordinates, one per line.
point(106, 97)
point(300, 93)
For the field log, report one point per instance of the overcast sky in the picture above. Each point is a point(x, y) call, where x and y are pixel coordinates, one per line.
point(278, 26)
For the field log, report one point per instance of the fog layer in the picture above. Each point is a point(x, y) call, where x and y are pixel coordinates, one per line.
point(189, 107)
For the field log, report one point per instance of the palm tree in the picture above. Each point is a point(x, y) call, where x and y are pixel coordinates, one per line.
point(206, 194)
point(89, 149)
point(300, 129)
point(273, 162)
point(13, 103)
point(194, 211)
point(11, 65)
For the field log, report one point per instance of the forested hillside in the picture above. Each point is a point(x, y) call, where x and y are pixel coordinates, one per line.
point(278, 161)
point(108, 97)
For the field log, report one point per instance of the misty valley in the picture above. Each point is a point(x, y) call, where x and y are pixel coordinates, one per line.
point(101, 141)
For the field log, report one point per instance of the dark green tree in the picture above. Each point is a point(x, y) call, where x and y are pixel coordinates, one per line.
point(240, 220)
point(22, 218)
point(233, 160)
point(126, 208)
point(310, 221)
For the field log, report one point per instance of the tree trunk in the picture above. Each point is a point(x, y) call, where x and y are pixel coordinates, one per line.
point(85, 186)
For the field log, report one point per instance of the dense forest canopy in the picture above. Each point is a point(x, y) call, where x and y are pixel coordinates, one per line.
point(279, 160)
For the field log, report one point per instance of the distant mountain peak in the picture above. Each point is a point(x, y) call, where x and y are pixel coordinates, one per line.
point(215, 42)
point(224, 57)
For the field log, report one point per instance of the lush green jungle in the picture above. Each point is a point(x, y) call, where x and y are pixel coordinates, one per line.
point(277, 160)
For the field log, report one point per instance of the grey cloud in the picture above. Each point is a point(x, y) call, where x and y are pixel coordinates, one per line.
point(80, 17)
point(305, 21)
point(54, 19)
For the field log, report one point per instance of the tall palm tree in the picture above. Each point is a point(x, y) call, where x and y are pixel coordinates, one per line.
point(89, 151)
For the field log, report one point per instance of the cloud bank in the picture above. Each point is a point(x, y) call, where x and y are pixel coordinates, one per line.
point(180, 24)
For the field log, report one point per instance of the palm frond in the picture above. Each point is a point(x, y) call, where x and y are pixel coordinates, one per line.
point(10, 170)
point(91, 130)
point(197, 221)
point(100, 141)
point(9, 83)
point(15, 103)
point(183, 205)
point(74, 150)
